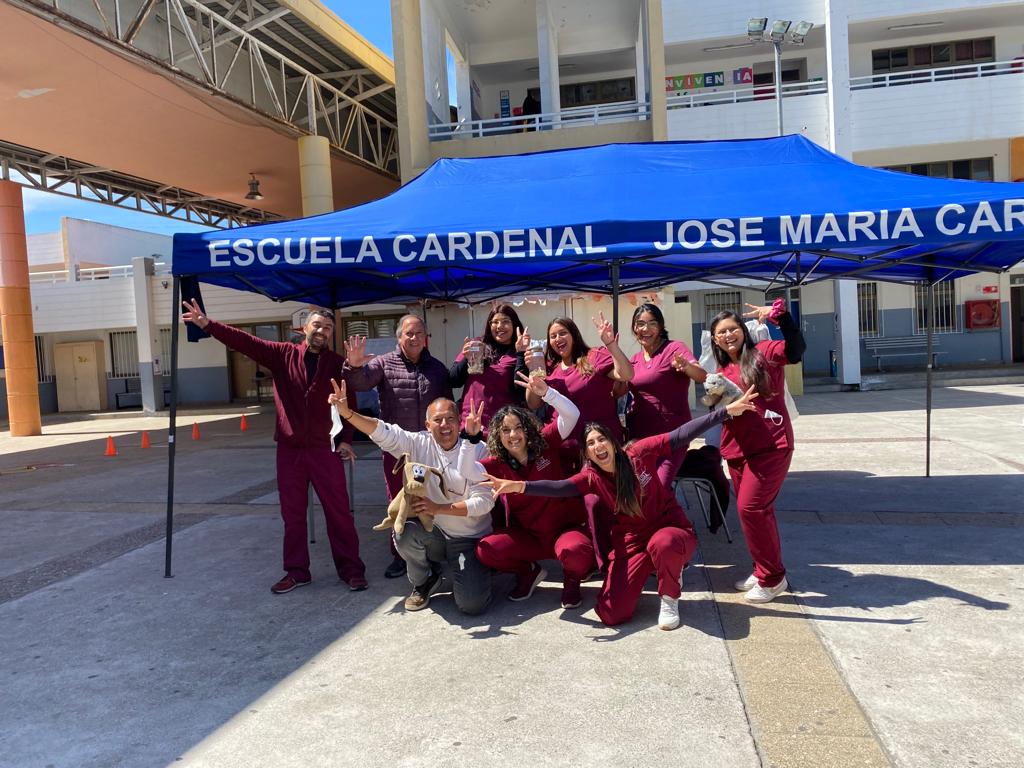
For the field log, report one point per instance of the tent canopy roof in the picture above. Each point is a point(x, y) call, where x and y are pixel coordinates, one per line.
point(778, 210)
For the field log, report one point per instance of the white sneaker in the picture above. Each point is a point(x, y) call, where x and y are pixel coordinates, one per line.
point(668, 616)
point(747, 584)
point(761, 594)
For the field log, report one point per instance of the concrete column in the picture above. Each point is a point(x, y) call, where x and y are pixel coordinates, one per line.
point(1017, 159)
point(147, 337)
point(640, 55)
point(315, 175)
point(410, 88)
point(464, 92)
point(837, 62)
point(16, 316)
point(656, 68)
point(547, 59)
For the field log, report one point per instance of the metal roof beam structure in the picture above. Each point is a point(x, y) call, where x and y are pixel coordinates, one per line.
point(188, 37)
point(46, 172)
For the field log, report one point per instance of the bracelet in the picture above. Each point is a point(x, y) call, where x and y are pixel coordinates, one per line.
point(346, 417)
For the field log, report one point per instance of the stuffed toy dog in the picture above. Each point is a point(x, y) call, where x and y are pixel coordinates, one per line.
point(414, 485)
point(720, 391)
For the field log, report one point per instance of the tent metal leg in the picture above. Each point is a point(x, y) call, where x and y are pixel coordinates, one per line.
point(929, 312)
point(171, 429)
point(614, 275)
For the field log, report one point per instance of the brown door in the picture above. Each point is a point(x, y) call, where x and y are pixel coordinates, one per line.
point(245, 374)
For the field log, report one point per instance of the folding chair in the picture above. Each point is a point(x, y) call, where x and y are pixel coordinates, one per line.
point(701, 487)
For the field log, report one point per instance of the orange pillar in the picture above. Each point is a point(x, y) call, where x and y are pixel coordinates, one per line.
point(16, 316)
point(1017, 159)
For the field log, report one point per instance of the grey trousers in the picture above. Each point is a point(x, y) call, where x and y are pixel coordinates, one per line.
point(423, 550)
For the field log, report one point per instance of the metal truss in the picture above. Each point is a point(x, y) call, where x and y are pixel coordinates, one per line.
point(251, 56)
point(63, 176)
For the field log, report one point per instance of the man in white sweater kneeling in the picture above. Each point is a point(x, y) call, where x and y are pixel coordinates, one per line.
point(461, 516)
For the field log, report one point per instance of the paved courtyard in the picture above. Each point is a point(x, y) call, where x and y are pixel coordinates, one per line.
point(899, 646)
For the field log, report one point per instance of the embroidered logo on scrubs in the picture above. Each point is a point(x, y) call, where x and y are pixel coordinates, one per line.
point(543, 462)
point(643, 478)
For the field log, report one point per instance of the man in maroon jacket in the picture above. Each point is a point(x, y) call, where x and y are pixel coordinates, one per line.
point(302, 383)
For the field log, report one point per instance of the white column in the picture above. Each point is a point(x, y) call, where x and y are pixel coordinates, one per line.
point(547, 59)
point(844, 292)
point(640, 50)
point(147, 337)
point(464, 92)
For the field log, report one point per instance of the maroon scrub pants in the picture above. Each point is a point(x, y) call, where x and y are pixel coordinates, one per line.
point(514, 550)
point(757, 481)
point(296, 469)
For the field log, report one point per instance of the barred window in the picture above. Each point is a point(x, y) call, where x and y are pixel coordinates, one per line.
point(372, 327)
point(946, 318)
point(720, 301)
point(43, 369)
point(124, 354)
point(867, 309)
point(165, 350)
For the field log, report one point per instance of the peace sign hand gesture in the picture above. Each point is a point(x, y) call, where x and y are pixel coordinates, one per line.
point(605, 329)
point(339, 399)
point(523, 339)
point(533, 384)
point(761, 313)
point(193, 314)
point(474, 419)
point(743, 404)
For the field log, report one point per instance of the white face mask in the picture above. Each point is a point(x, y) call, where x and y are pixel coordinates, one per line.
point(774, 418)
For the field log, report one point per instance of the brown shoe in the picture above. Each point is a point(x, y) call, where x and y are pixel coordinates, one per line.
point(356, 583)
point(287, 584)
point(420, 597)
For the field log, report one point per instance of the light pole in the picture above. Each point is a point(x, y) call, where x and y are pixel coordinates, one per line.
point(758, 31)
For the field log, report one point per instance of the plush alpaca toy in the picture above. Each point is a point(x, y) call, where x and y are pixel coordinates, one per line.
point(414, 485)
point(720, 391)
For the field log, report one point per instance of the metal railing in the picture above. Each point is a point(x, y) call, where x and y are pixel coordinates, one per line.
point(90, 274)
point(228, 59)
point(708, 98)
point(938, 74)
point(571, 117)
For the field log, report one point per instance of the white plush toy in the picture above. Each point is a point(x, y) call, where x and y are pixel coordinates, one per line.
point(720, 391)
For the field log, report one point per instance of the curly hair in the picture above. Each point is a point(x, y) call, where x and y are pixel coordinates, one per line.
point(535, 442)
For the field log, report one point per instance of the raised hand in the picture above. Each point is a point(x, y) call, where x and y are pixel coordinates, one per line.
point(533, 384)
point(339, 399)
point(500, 486)
point(679, 362)
point(345, 451)
point(605, 329)
point(523, 339)
point(743, 404)
point(474, 419)
point(355, 351)
point(761, 313)
point(465, 346)
point(193, 314)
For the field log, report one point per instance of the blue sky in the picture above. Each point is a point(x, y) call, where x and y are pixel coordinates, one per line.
point(43, 211)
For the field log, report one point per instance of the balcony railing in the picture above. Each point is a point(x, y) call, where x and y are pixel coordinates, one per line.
point(600, 114)
point(742, 95)
point(938, 74)
point(88, 274)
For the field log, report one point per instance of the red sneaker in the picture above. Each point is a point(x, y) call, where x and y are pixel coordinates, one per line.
point(287, 584)
point(357, 583)
point(571, 595)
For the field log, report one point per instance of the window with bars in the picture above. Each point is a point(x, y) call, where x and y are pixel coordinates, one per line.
point(44, 372)
point(720, 301)
point(946, 317)
point(867, 308)
point(973, 169)
point(124, 354)
point(372, 327)
point(165, 350)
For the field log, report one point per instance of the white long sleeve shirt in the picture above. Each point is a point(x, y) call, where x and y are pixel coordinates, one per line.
point(423, 449)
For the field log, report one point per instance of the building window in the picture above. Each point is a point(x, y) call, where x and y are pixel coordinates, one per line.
point(974, 169)
point(946, 317)
point(372, 327)
point(720, 301)
point(165, 350)
point(43, 370)
point(593, 93)
point(124, 354)
point(930, 55)
point(867, 307)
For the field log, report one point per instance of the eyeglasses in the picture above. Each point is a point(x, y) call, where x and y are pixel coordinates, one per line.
point(643, 325)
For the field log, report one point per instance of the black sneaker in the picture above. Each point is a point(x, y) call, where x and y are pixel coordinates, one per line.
point(420, 597)
point(396, 569)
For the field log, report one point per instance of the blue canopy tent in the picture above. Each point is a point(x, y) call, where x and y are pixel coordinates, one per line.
point(620, 217)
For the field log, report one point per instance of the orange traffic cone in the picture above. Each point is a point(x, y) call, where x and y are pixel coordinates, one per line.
point(244, 425)
point(145, 439)
point(195, 430)
point(111, 448)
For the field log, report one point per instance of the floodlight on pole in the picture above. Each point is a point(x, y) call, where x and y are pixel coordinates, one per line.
point(758, 31)
point(779, 29)
point(799, 32)
point(756, 28)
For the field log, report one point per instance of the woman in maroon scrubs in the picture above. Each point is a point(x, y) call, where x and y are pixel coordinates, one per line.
point(758, 446)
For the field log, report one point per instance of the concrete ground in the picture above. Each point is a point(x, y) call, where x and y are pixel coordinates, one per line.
point(898, 647)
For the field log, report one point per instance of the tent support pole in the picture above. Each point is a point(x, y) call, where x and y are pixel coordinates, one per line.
point(928, 381)
point(175, 307)
point(614, 270)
